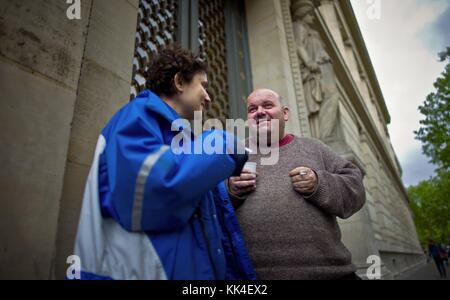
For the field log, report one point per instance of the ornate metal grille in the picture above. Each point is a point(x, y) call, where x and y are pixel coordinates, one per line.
point(156, 28)
point(212, 47)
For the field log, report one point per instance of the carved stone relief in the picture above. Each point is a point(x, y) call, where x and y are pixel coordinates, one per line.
point(319, 79)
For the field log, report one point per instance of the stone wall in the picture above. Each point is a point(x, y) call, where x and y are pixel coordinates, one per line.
point(60, 81)
point(40, 60)
point(104, 87)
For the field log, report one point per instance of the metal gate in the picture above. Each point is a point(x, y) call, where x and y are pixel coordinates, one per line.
point(216, 29)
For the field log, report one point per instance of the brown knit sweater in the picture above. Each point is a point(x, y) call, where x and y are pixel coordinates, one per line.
point(290, 236)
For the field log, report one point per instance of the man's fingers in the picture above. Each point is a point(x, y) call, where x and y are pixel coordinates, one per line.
point(244, 184)
point(304, 190)
point(247, 176)
point(294, 172)
point(240, 187)
point(304, 185)
point(246, 190)
point(234, 179)
point(303, 180)
point(302, 171)
point(299, 178)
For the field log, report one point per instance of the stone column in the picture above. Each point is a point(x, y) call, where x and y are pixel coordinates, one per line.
point(40, 59)
point(104, 87)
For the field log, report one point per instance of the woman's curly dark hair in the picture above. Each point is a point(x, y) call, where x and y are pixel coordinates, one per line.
point(171, 61)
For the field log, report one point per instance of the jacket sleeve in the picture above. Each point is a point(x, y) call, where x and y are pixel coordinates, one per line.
point(151, 187)
point(340, 190)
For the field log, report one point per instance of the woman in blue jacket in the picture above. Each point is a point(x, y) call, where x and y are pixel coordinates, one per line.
point(150, 212)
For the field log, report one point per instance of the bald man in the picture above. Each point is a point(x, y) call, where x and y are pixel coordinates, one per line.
point(288, 211)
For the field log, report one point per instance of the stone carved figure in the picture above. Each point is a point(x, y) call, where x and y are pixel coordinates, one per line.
point(319, 79)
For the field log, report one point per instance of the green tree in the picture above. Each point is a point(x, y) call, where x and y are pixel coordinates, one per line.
point(430, 204)
point(430, 199)
point(435, 130)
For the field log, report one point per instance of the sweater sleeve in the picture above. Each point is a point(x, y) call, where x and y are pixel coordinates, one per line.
point(340, 190)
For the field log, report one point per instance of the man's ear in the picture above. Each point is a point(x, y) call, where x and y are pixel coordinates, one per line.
point(286, 113)
point(178, 83)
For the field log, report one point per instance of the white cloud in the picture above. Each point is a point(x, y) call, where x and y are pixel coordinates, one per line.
point(416, 168)
point(406, 66)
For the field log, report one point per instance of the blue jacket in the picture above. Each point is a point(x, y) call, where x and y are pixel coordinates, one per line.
point(149, 213)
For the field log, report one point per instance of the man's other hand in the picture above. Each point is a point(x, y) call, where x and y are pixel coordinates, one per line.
point(304, 180)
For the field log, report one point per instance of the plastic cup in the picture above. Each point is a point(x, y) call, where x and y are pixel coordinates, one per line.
point(251, 167)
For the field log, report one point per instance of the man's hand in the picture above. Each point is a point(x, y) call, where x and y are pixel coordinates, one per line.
point(304, 180)
point(243, 184)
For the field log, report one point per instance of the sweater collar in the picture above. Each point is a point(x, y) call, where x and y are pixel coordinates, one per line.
point(287, 139)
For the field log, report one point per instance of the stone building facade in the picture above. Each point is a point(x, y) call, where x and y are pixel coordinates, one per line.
point(61, 79)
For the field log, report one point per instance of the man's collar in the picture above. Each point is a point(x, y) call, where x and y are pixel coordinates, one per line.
point(288, 138)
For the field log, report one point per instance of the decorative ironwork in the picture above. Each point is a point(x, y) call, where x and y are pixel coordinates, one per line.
point(212, 47)
point(156, 28)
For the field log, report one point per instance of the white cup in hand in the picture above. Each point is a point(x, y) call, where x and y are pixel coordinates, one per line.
point(251, 167)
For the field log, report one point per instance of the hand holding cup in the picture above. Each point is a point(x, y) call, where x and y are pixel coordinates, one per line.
point(246, 182)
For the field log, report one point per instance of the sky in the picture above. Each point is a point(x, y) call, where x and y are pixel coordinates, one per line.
point(403, 38)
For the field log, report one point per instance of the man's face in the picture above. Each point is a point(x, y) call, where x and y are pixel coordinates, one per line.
point(263, 106)
point(193, 95)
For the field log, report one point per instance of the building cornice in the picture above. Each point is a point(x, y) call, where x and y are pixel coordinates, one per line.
point(360, 46)
point(354, 94)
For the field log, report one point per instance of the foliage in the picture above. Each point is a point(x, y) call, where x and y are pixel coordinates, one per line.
point(430, 199)
point(435, 130)
point(430, 204)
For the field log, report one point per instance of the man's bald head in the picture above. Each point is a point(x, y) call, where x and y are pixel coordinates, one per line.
point(265, 93)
